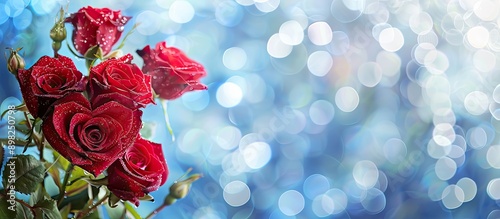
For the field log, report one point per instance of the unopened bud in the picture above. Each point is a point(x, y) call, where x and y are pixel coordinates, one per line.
point(180, 189)
point(15, 61)
point(169, 200)
point(56, 46)
point(58, 32)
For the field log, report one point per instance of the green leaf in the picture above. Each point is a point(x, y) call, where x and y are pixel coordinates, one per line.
point(131, 211)
point(76, 184)
point(116, 212)
point(92, 54)
point(26, 171)
point(65, 211)
point(39, 195)
point(7, 210)
point(76, 188)
point(23, 212)
point(77, 201)
point(60, 161)
point(37, 124)
point(77, 173)
point(49, 209)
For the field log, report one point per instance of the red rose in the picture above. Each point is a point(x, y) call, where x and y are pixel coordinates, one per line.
point(173, 72)
point(123, 77)
point(96, 26)
point(92, 137)
point(142, 170)
point(48, 80)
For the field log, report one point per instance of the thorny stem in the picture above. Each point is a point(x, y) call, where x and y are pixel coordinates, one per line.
point(20, 202)
point(152, 214)
point(172, 197)
point(41, 146)
point(92, 207)
point(28, 122)
point(24, 203)
point(62, 190)
point(34, 134)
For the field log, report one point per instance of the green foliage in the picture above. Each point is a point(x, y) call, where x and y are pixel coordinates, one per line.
point(77, 201)
point(23, 212)
point(23, 172)
point(49, 208)
point(65, 211)
point(116, 212)
point(39, 195)
point(5, 212)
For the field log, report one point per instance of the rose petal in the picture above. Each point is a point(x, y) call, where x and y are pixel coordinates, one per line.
point(96, 26)
point(60, 146)
point(141, 170)
point(38, 94)
point(115, 111)
point(117, 97)
point(173, 73)
point(113, 126)
point(108, 36)
point(121, 76)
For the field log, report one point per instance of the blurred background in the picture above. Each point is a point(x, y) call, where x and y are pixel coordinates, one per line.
point(315, 108)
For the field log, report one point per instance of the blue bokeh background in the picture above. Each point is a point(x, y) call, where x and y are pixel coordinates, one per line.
point(315, 108)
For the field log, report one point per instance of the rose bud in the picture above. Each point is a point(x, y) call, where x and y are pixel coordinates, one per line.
point(48, 80)
point(58, 32)
point(180, 189)
point(141, 170)
point(173, 72)
point(122, 77)
point(91, 137)
point(96, 26)
point(15, 62)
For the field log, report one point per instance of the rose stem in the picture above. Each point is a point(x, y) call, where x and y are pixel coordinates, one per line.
point(62, 190)
point(42, 145)
point(28, 122)
point(34, 136)
point(167, 120)
point(92, 207)
point(152, 214)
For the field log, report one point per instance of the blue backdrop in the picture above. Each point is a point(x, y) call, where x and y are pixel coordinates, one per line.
point(315, 108)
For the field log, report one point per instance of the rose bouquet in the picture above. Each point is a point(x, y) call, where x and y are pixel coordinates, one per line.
point(86, 124)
